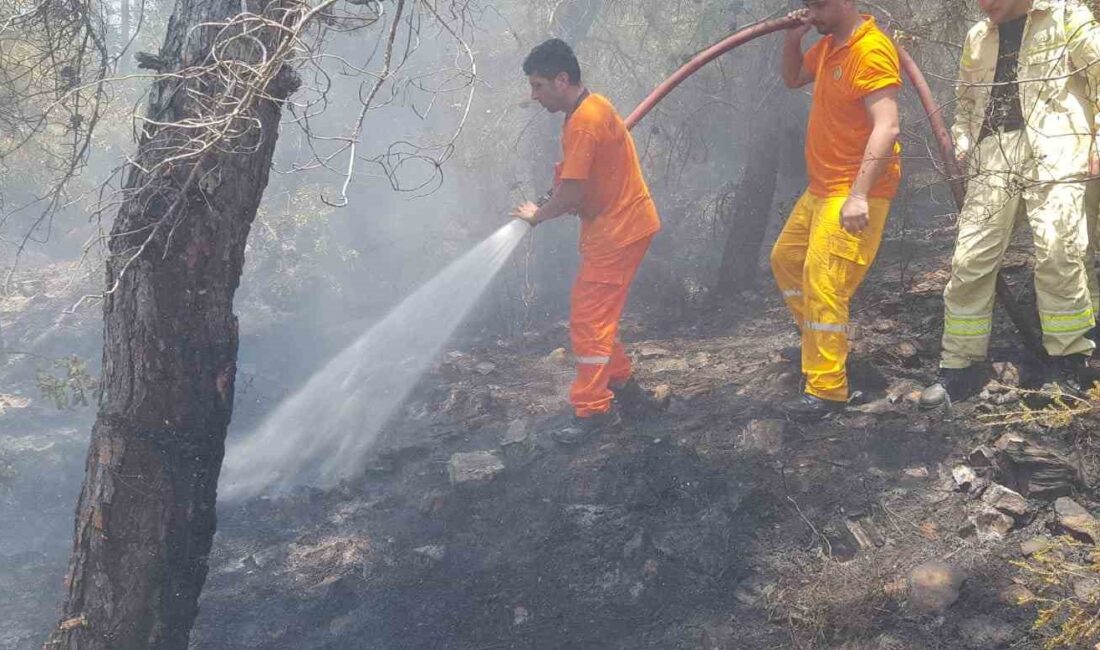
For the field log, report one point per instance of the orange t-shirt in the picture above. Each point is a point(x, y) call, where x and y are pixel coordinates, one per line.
point(840, 124)
point(616, 209)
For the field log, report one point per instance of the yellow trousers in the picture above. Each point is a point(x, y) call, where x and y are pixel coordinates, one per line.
point(998, 188)
point(818, 266)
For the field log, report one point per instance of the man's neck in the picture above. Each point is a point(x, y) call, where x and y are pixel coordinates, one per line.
point(842, 34)
point(572, 96)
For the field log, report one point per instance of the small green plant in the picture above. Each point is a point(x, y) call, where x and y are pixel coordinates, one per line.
point(1060, 409)
point(70, 387)
point(1065, 579)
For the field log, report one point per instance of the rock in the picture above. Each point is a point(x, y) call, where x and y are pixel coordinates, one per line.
point(651, 351)
point(700, 359)
point(474, 467)
point(1011, 397)
point(964, 477)
point(909, 353)
point(716, 636)
point(558, 357)
point(992, 524)
point(1086, 588)
point(986, 632)
point(432, 502)
point(934, 586)
point(901, 390)
point(884, 325)
point(1008, 439)
point(1075, 519)
point(516, 434)
point(865, 533)
point(633, 545)
point(877, 407)
point(1006, 500)
point(670, 365)
point(917, 472)
point(981, 456)
point(1006, 374)
point(465, 404)
point(1015, 594)
point(432, 552)
point(662, 394)
point(1034, 545)
point(765, 436)
point(1035, 471)
point(485, 367)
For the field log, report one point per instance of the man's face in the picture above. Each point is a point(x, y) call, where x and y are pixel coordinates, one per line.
point(1001, 10)
point(551, 93)
point(827, 15)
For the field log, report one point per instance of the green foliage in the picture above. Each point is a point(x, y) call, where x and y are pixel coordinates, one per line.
point(1062, 576)
point(71, 387)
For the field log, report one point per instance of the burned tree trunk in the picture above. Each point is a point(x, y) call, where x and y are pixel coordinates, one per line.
point(145, 519)
point(748, 211)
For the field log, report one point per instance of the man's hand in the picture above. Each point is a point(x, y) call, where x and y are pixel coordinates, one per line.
point(853, 214)
point(1094, 160)
point(800, 30)
point(526, 211)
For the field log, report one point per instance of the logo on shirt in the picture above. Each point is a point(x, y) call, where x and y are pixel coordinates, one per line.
point(837, 73)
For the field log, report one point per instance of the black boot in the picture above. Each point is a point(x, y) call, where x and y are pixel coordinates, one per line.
point(1070, 375)
point(952, 385)
point(811, 407)
point(635, 400)
point(581, 429)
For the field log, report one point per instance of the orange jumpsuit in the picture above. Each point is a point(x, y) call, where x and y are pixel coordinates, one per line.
point(618, 220)
point(817, 264)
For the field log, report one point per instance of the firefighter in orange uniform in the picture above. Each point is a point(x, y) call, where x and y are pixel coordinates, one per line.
point(600, 180)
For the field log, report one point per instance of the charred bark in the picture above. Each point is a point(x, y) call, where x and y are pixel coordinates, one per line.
point(747, 214)
point(145, 519)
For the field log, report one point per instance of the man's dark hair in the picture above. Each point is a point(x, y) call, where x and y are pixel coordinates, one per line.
point(551, 58)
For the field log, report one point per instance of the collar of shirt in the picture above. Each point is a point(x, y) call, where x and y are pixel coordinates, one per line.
point(859, 32)
point(580, 100)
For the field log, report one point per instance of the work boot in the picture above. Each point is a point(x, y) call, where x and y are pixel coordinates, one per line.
point(581, 429)
point(635, 400)
point(1069, 375)
point(811, 407)
point(952, 385)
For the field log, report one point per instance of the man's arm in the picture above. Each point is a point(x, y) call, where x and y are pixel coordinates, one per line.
point(964, 129)
point(882, 105)
point(566, 199)
point(1083, 38)
point(794, 73)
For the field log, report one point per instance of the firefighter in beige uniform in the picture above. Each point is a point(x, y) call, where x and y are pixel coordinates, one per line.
point(1029, 79)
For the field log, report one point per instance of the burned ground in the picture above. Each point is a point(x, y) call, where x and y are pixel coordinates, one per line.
point(716, 524)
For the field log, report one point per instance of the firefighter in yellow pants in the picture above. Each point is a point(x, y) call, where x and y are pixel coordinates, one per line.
point(1027, 109)
point(818, 266)
point(853, 162)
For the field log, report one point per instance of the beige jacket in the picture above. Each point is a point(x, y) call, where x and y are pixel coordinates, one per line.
point(1059, 76)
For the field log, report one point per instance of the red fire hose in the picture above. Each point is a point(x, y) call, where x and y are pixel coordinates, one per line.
point(945, 148)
